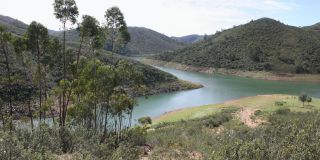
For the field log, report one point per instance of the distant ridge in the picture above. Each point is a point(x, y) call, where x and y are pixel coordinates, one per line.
point(264, 44)
point(189, 39)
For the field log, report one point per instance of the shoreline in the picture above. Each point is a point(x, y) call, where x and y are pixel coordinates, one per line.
point(263, 75)
point(190, 112)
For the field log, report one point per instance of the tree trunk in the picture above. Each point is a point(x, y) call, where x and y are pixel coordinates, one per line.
point(64, 107)
point(30, 114)
point(60, 111)
point(39, 81)
point(2, 118)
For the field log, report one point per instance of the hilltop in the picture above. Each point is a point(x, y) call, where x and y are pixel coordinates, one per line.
point(315, 27)
point(147, 41)
point(261, 45)
point(189, 39)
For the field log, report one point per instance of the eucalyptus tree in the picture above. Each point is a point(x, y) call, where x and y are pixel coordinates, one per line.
point(37, 41)
point(20, 47)
point(6, 76)
point(65, 11)
point(116, 27)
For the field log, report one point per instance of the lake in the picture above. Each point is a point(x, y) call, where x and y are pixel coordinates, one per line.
point(217, 89)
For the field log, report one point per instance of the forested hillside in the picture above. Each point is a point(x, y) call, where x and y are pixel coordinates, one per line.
point(147, 41)
point(263, 44)
point(15, 26)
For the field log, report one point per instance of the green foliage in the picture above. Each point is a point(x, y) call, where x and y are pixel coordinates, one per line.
point(117, 29)
point(66, 10)
point(283, 111)
point(148, 42)
point(217, 120)
point(286, 136)
point(45, 143)
point(145, 120)
point(305, 98)
point(280, 103)
point(261, 45)
point(257, 112)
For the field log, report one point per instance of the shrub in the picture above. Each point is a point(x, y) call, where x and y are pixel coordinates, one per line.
point(145, 120)
point(283, 111)
point(280, 103)
point(217, 120)
point(257, 112)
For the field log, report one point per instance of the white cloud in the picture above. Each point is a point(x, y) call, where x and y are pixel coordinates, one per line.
point(172, 17)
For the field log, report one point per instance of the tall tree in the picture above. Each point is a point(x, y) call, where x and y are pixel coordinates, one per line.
point(116, 27)
point(65, 11)
point(5, 39)
point(38, 40)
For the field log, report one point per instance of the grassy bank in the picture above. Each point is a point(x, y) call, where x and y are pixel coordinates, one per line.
point(241, 73)
point(265, 103)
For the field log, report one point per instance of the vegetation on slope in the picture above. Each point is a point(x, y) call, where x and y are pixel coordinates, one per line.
point(263, 44)
point(15, 26)
point(146, 41)
point(315, 27)
point(288, 131)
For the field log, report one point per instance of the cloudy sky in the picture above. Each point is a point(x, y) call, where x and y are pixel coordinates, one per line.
point(174, 17)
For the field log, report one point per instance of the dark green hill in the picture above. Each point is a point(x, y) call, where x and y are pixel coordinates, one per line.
point(315, 27)
point(263, 44)
point(13, 25)
point(143, 41)
point(189, 39)
point(147, 41)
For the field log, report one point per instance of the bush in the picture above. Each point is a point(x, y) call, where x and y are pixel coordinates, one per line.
point(217, 120)
point(283, 111)
point(257, 112)
point(280, 103)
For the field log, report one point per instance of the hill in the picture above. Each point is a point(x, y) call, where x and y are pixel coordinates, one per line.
point(147, 41)
point(189, 39)
point(260, 45)
point(13, 25)
point(143, 41)
point(155, 79)
point(315, 27)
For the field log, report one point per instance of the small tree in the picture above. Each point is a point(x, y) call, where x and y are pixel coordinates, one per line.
point(309, 100)
point(303, 98)
point(145, 120)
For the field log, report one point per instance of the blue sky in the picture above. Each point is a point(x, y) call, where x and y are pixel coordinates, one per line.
point(304, 12)
point(175, 17)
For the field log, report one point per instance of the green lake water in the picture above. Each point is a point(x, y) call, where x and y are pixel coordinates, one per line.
point(217, 89)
